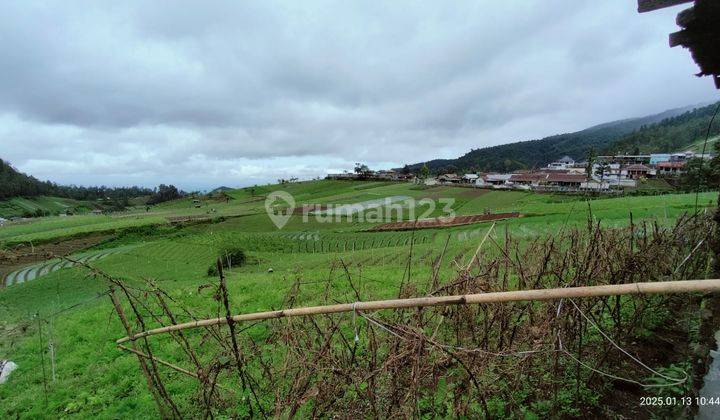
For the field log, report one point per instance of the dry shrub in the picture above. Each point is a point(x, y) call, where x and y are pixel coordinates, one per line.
point(504, 359)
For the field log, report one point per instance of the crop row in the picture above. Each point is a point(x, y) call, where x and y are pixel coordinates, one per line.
point(311, 242)
point(38, 270)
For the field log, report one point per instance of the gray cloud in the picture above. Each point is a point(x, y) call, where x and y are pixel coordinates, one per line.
point(244, 92)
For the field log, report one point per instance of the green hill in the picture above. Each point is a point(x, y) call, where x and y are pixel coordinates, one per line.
point(14, 183)
point(25, 195)
point(668, 130)
point(697, 146)
point(682, 132)
point(42, 205)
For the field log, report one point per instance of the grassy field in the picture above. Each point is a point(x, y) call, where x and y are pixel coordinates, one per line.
point(95, 379)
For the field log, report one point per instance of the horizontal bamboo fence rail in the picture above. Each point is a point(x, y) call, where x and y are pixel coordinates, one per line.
point(667, 287)
point(158, 360)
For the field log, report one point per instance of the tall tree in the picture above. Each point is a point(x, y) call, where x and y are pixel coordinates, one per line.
point(590, 157)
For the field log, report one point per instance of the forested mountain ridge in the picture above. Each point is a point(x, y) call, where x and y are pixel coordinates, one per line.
point(654, 131)
point(669, 135)
point(14, 183)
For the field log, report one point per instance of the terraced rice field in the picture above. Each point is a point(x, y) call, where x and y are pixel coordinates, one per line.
point(34, 271)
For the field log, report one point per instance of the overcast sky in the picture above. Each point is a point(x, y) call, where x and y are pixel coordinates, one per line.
point(235, 93)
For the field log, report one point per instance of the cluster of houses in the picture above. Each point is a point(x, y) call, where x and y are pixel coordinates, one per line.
point(381, 175)
point(548, 179)
point(611, 173)
point(608, 173)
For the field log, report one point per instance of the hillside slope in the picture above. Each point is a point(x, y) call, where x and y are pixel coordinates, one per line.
point(614, 135)
point(42, 205)
point(14, 183)
point(685, 131)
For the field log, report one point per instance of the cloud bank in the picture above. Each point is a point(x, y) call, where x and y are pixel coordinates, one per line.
point(239, 93)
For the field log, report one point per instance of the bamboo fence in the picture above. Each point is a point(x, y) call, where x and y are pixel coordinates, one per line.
point(666, 287)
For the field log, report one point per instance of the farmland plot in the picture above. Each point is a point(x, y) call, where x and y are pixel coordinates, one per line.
point(355, 208)
point(38, 270)
point(95, 380)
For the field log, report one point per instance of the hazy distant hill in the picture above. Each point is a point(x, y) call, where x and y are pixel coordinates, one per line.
point(666, 131)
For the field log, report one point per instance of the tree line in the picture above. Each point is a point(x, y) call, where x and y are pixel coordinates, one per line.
point(14, 183)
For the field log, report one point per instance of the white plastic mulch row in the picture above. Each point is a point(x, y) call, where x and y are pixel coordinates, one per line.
point(38, 270)
point(6, 368)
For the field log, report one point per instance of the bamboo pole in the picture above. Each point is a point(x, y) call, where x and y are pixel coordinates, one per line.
point(667, 287)
point(143, 365)
point(162, 362)
point(170, 365)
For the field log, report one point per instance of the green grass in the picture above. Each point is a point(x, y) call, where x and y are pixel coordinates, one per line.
point(697, 146)
point(95, 379)
point(653, 185)
point(49, 228)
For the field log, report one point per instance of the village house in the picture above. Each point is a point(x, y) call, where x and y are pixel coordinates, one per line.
point(681, 156)
point(670, 168)
point(470, 178)
point(624, 159)
point(563, 163)
point(637, 171)
point(530, 180)
point(448, 179)
point(493, 180)
point(565, 181)
point(656, 158)
point(578, 168)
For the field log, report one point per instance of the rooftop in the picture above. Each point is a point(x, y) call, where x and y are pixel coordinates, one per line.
point(670, 165)
point(566, 178)
point(638, 167)
point(528, 177)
